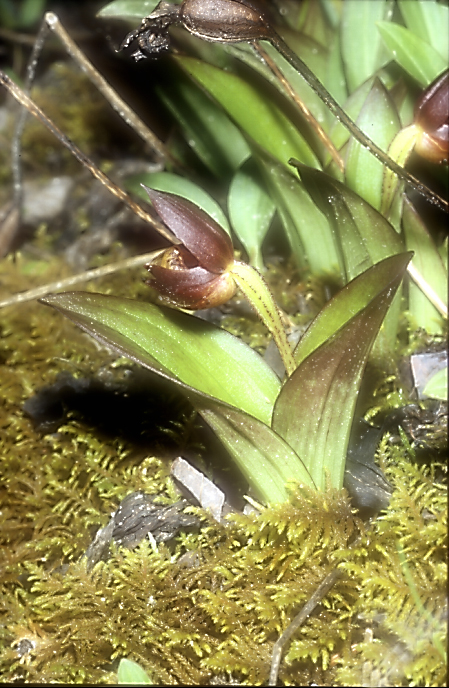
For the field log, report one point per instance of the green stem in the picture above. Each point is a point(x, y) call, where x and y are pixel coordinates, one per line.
point(256, 290)
point(316, 85)
point(399, 150)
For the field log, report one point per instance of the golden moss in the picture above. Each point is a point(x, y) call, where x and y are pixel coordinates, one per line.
point(218, 614)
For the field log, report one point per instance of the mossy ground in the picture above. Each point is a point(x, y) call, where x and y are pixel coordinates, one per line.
point(219, 614)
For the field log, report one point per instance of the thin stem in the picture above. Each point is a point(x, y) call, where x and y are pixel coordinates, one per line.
point(326, 141)
point(341, 115)
point(119, 105)
point(86, 276)
point(256, 290)
point(31, 106)
point(299, 619)
point(427, 290)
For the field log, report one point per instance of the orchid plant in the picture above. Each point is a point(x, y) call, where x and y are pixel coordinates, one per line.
point(276, 433)
point(338, 194)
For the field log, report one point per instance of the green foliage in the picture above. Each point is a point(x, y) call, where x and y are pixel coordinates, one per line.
point(130, 672)
point(437, 385)
point(216, 613)
point(403, 598)
point(21, 14)
point(219, 612)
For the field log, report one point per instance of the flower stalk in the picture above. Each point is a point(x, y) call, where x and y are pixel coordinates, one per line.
point(253, 286)
point(236, 21)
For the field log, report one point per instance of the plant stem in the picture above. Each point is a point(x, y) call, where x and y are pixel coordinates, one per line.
point(256, 290)
point(316, 85)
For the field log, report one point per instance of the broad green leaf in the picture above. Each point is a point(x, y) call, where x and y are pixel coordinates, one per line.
point(417, 57)
point(315, 408)
point(309, 50)
point(379, 119)
point(349, 301)
point(181, 186)
point(363, 235)
point(206, 127)
point(130, 672)
point(251, 211)
point(264, 458)
point(189, 351)
point(428, 263)
point(426, 18)
point(362, 49)
point(308, 231)
point(129, 9)
point(253, 111)
point(436, 388)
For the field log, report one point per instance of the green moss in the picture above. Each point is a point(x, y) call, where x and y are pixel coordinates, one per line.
point(219, 612)
point(70, 100)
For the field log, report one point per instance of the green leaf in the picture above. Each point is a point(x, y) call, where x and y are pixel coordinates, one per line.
point(363, 235)
point(428, 263)
point(30, 12)
point(349, 301)
point(426, 19)
point(352, 106)
point(207, 129)
point(131, 672)
point(253, 111)
point(264, 458)
point(417, 57)
point(380, 121)
point(308, 231)
point(251, 211)
point(399, 150)
point(315, 408)
point(335, 80)
point(436, 388)
point(129, 9)
point(313, 54)
point(362, 49)
point(181, 186)
point(186, 350)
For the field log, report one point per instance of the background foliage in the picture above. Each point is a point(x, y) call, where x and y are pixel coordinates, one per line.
point(219, 612)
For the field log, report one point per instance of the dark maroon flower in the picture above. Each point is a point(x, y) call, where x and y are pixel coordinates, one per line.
point(194, 274)
point(432, 120)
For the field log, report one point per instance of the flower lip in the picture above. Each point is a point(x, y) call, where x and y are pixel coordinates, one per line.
point(193, 289)
point(199, 233)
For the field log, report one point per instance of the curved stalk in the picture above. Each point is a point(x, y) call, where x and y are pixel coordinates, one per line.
point(316, 85)
point(256, 290)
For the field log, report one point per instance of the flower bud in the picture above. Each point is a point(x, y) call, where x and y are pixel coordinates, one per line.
point(195, 274)
point(432, 120)
point(224, 20)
